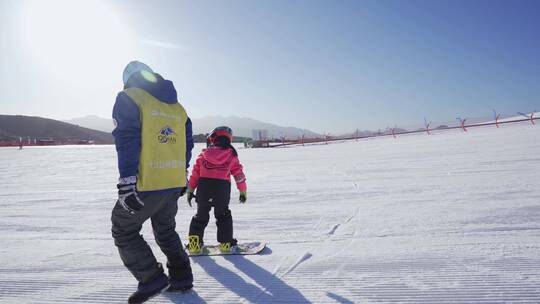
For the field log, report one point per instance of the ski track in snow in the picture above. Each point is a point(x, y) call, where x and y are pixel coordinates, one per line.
point(302, 259)
point(449, 218)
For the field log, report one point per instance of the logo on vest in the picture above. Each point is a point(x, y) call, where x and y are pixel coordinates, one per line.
point(166, 136)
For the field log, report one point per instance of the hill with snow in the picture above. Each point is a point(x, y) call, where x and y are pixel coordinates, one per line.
point(244, 126)
point(241, 126)
point(93, 122)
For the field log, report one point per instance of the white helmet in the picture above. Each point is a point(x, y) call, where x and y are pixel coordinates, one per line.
point(134, 67)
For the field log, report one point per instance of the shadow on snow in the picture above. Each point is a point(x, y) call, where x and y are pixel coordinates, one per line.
point(178, 297)
point(272, 288)
point(339, 298)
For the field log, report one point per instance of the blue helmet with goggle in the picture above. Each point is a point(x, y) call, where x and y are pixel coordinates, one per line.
point(137, 67)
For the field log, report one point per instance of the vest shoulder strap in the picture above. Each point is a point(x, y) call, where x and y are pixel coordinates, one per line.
point(138, 96)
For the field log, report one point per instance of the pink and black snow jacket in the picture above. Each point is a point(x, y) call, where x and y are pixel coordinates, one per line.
point(218, 163)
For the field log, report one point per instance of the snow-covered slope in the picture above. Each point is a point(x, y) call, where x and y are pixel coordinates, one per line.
point(451, 217)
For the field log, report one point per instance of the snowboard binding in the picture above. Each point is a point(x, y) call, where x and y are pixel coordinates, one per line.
point(194, 244)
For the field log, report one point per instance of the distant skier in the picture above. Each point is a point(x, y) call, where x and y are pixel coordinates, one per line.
point(211, 176)
point(153, 140)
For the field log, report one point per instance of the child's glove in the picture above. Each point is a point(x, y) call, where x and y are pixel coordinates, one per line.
point(243, 197)
point(190, 196)
point(128, 198)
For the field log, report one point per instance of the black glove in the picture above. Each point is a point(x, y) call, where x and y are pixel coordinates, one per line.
point(243, 197)
point(128, 198)
point(190, 196)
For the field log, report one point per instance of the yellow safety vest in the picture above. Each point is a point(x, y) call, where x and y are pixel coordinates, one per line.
point(162, 163)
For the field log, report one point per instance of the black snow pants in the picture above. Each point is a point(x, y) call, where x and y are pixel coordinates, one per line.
point(134, 251)
point(214, 193)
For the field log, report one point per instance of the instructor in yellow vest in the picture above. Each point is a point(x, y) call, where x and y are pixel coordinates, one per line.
point(153, 141)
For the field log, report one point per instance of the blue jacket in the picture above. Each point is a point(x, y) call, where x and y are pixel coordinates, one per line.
point(127, 133)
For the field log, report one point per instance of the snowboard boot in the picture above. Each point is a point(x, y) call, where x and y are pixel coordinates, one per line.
point(194, 244)
point(146, 291)
point(180, 278)
point(228, 247)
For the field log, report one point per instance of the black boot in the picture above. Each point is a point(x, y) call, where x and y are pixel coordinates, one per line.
point(150, 289)
point(180, 278)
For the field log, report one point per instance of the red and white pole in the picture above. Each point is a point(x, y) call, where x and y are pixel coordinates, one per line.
point(530, 117)
point(496, 118)
point(462, 123)
point(427, 126)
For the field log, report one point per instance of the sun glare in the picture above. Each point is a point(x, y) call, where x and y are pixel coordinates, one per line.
point(78, 41)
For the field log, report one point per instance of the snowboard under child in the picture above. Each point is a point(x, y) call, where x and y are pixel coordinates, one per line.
point(211, 177)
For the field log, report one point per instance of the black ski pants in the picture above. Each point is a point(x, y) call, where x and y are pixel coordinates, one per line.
point(213, 193)
point(135, 253)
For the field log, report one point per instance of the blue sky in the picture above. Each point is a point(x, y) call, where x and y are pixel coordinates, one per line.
point(330, 66)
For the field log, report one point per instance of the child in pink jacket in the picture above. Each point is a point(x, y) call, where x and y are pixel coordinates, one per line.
point(211, 177)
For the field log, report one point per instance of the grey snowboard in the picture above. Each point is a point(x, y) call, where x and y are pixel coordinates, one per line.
point(242, 249)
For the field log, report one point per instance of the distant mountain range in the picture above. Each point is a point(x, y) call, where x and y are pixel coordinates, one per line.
point(241, 126)
point(93, 122)
point(14, 127)
point(244, 127)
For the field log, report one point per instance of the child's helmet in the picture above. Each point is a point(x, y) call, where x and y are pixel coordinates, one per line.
point(221, 131)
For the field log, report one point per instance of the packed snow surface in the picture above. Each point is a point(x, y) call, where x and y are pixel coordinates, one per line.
point(450, 217)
